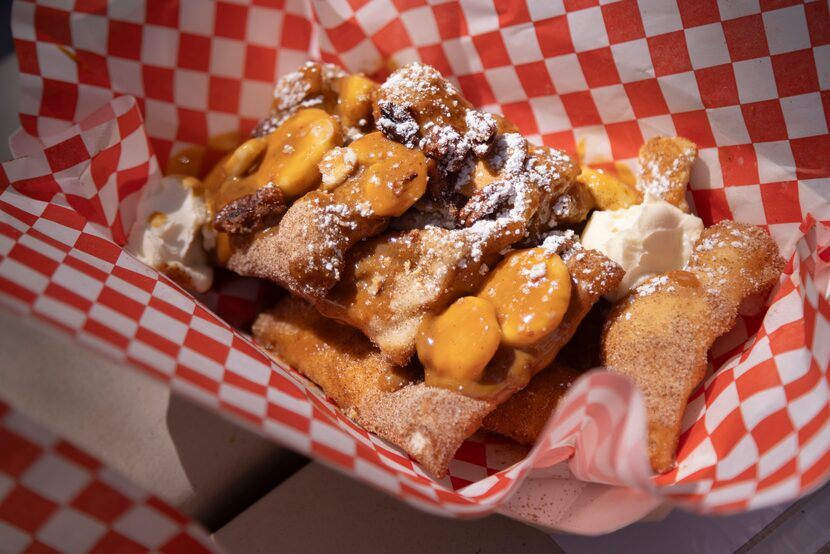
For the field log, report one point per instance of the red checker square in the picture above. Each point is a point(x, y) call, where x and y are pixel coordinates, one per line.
point(511, 12)
point(717, 86)
point(574, 5)
point(817, 471)
point(739, 165)
point(194, 52)
point(535, 79)
point(106, 334)
point(231, 20)
point(669, 53)
point(698, 12)
point(762, 377)
point(66, 296)
point(124, 40)
point(131, 180)
point(818, 22)
point(98, 247)
point(695, 127)
point(795, 73)
point(564, 140)
point(746, 38)
point(27, 59)
point(347, 35)
point(434, 55)
point(767, 5)
point(52, 25)
point(102, 502)
point(76, 455)
point(788, 337)
point(764, 121)
point(646, 98)
point(392, 38)
point(33, 259)
point(476, 89)
point(92, 69)
point(781, 203)
point(38, 547)
point(182, 544)
point(554, 36)
point(581, 109)
point(64, 216)
point(623, 21)
point(711, 205)
point(223, 94)
point(405, 5)
point(491, 50)
point(66, 154)
point(330, 454)
point(813, 426)
point(811, 155)
point(59, 99)
point(206, 346)
point(451, 21)
point(724, 436)
point(166, 510)
point(521, 114)
point(599, 67)
point(192, 126)
point(128, 122)
point(296, 32)
point(18, 453)
point(158, 82)
point(197, 379)
point(115, 542)
point(162, 12)
point(626, 138)
point(91, 6)
point(25, 509)
point(786, 471)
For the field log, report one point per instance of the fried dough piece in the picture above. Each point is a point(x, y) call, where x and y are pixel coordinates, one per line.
point(523, 416)
point(429, 423)
point(659, 335)
point(665, 168)
point(305, 252)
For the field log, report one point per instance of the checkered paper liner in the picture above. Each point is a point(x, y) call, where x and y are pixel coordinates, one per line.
point(56, 498)
point(110, 90)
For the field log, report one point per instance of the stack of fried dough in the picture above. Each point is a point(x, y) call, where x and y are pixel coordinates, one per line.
point(434, 267)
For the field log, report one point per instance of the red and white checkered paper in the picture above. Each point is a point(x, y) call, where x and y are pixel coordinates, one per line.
point(110, 90)
point(57, 498)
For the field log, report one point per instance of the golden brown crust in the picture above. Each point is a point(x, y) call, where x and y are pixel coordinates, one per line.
point(523, 416)
point(665, 168)
point(659, 335)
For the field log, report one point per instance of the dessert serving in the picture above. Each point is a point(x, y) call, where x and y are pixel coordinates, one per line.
point(446, 275)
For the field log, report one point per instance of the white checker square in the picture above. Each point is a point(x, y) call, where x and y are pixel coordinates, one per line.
point(755, 80)
point(759, 352)
point(54, 64)
point(566, 74)
point(659, 17)
point(802, 115)
point(148, 355)
point(78, 282)
point(244, 400)
point(127, 289)
point(332, 437)
point(612, 104)
point(821, 54)
point(590, 27)
point(163, 325)
point(22, 11)
point(160, 118)
point(786, 30)
point(146, 526)
point(547, 9)
point(228, 58)
point(707, 45)
point(197, 16)
point(550, 114)
point(681, 92)
point(772, 460)
point(375, 15)
point(775, 161)
point(71, 531)
point(126, 11)
point(41, 247)
point(815, 448)
point(94, 97)
point(174, 296)
point(733, 9)
point(289, 60)
point(289, 437)
point(264, 26)
point(821, 346)
point(87, 30)
point(118, 322)
point(728, 126)
point(254, 98)
point(462, 55)
point(298, 7)
point(421, 26)
point(739, 459)
point(795, 364)
point(405, 56)
point(706, 171)
point(201, 364)
point(814, 195)
point(190, 89)
point(159, 46)
point(363, 57)
point(633, 60)
point(332, 13)
point(248, 367)
point(522, 44)
point(378, 477)
point(597, 145)
point(33, 432)
point(746, 204)
point(55, 478)
point(126, 76)
point(23, 275)
point(780, 492)
point(655, 126)
point(481, 17)
point(13, 538)
point(220, 123)
point(505, 84)
point(728, 493)
point(718, 410)
point(58, 311)
point(762, 405)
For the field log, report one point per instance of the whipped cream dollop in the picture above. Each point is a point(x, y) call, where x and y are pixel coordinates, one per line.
point(646, 240)
point(171, 231)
